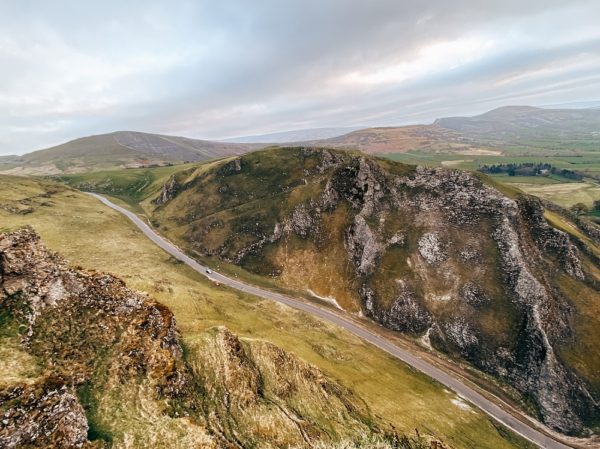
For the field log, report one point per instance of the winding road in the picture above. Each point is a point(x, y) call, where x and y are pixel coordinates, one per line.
point(492, 409)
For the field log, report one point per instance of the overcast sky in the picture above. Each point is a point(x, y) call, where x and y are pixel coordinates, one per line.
point(217, 69)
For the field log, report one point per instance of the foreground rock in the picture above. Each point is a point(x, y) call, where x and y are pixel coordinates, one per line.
point(113, 372)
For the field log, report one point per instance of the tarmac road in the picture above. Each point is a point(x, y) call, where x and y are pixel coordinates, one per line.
point(464, 391)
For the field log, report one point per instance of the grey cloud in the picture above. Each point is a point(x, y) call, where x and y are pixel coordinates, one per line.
point(216, 69)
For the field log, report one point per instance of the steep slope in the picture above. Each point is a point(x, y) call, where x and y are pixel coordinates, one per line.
point(102, 365)
point(525, 123)
point(434, 253)
point(120, 149)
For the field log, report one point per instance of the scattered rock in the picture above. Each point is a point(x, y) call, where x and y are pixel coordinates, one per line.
point(430, 248)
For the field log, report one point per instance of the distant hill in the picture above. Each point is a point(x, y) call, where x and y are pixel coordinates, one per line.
point(402, 139)
point(117, 150)
point(298, 135)
point(515, 123)
point(593, 104)
point(512, 128)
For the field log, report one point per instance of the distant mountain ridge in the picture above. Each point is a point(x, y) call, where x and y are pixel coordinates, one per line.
point(527, 127)
point(520, 128)
point(118, 150)
point(519, 122)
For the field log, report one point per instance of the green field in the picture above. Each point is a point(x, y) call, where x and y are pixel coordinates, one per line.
point(562, 191)
point(588, 162)
point(96, 237)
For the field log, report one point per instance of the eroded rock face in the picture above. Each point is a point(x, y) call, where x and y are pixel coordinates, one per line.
point(405, 314)
point(67, 318)
point(47, 414)
point(231, 167)
point(551, 239)
point(98, 341)
point(363, 246)
point(438, 252)
point(168, 191)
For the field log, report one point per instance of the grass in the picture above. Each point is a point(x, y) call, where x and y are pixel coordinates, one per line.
point(541, 180)
point(565, 194)
point(562, 191)
point(589, 162)
point(131, 185)
point(17, 366)
point(584, 356)
point(95, 237)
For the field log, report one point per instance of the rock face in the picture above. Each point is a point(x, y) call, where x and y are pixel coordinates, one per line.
point(47, 415)
point(168, 191)
point(430, 252)
point(113, 369)
point(68, 319)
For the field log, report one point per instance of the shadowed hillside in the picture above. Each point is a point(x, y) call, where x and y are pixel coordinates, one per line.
point(513, 123)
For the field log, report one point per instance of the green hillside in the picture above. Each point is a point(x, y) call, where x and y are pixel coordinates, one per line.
point(433, 253)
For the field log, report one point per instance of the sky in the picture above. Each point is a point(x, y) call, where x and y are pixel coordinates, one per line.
point(218, 69)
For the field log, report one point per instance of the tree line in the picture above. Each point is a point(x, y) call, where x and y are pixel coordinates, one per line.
point(530, 169)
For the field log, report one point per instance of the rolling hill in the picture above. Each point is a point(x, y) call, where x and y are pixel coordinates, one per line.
point(515, 124)
point(118, 150)
point(503, 131)
point(403, 139)
point(512, 130)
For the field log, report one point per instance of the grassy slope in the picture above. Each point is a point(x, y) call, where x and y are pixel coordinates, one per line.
point(97, 152)
point(130, 186)
point(96, 237)
point(250, 200)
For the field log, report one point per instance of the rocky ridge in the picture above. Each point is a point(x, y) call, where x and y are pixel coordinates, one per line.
point(432, 252)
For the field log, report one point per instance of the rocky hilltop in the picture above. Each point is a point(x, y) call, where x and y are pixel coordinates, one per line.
point(95, 364)
point(442, 255)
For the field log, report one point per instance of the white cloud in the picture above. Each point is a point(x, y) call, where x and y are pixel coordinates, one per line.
point(429, 59)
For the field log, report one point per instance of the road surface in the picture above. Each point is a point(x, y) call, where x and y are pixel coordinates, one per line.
point(466, 392)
